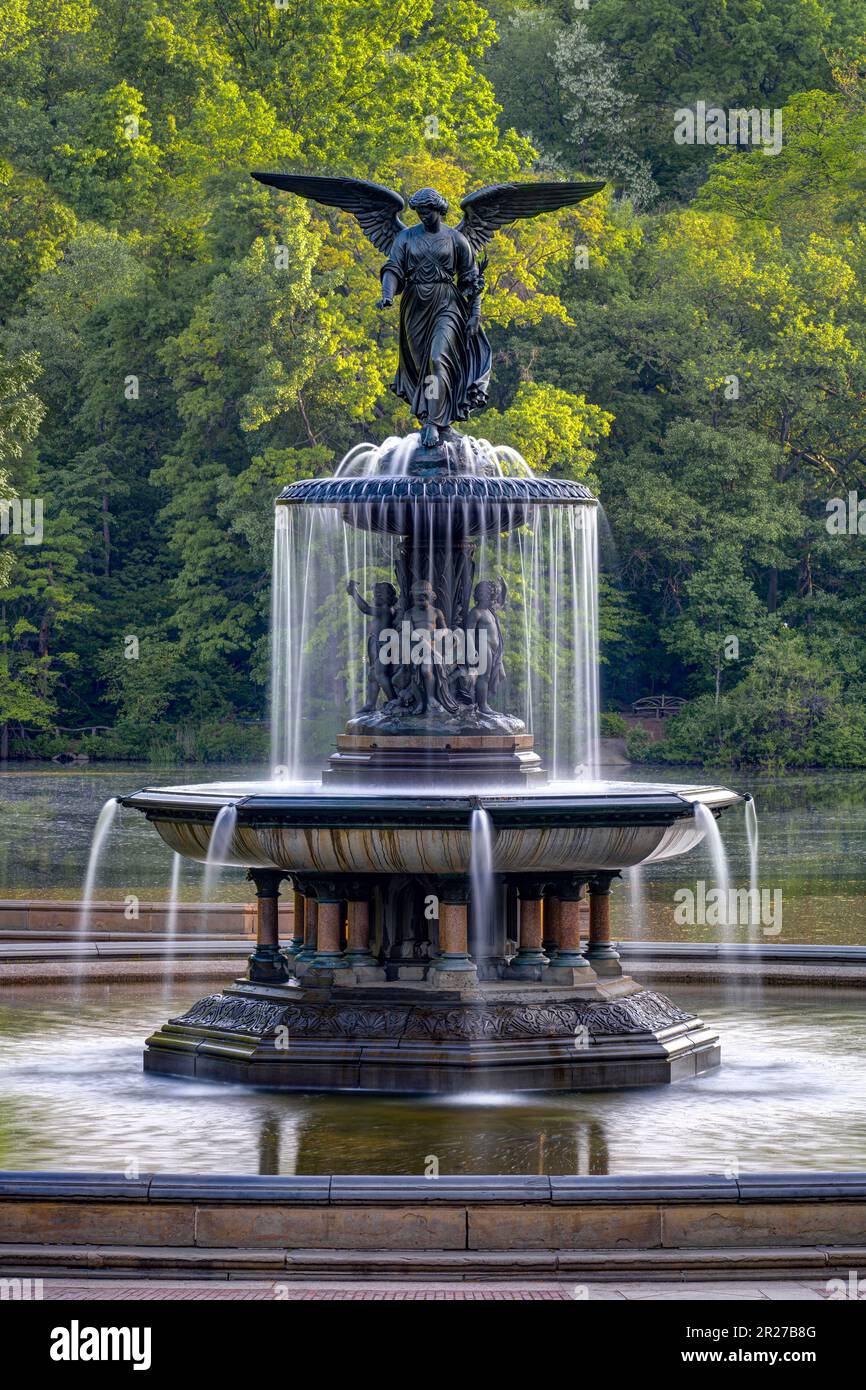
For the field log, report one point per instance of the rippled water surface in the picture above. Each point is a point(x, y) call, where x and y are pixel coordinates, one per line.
point(789, 1095)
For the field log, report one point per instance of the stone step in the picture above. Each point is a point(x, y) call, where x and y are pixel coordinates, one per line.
point(134, 1261)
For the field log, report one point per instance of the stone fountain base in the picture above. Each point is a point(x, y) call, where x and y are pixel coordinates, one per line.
point(392, 1037)
point(461, 760)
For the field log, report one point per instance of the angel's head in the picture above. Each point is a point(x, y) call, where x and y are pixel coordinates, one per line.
point(430, 206)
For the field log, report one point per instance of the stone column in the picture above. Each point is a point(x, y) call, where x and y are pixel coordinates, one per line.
point(602, 956)
point(307, 952)
point(268, 964)
point(453, 968)
point(530, 960)
point(570, 967)
point(551, 923)
point(296, 945)
point(359, 956)
point(329, 955)
point(358, 932)
point(489, 952)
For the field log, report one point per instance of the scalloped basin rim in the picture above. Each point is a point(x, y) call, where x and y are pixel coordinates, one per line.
point(263, 802)
point(600, 827)
point(437, 488)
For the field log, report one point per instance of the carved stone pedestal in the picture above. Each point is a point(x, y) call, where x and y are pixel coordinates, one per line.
point(394, 1037)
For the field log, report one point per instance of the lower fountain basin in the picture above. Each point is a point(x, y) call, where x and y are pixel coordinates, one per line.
point(587, 826)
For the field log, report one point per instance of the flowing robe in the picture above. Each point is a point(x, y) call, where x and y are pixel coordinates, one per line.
point(444, 370)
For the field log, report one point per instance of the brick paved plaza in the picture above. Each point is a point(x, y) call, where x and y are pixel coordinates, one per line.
point(144, 1290)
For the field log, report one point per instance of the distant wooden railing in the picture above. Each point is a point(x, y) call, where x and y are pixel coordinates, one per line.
point(658, 706)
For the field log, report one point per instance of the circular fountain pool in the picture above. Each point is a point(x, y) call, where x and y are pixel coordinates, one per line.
point(74, 1097)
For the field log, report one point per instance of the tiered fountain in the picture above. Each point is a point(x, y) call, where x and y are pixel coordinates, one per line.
point(434, 803)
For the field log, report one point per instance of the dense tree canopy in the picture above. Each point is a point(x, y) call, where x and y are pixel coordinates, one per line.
point(177, 342)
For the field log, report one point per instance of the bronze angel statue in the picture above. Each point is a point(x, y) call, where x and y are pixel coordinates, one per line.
point(445, 359)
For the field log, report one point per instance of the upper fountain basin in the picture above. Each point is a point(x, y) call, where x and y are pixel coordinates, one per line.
point(569, 828)
point(463, 504)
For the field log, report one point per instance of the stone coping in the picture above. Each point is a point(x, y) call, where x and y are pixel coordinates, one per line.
point(743, 951)
point(689, 1189)
point(24, 951)
point(650, 805)
point(34, 915)
point(233, 1226)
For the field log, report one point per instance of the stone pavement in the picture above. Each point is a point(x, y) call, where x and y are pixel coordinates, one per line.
point(85, 1290)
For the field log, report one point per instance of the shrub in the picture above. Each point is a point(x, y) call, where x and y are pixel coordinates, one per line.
point(787, 711)
point(640, 746)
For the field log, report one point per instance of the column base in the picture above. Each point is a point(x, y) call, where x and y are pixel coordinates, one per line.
point(454, 961)
point(604, 960)
point(460, 977)
point(569, 960)
point(269, 965)
point(328, 960)
point(371, 974)
point(568, 975)
point(359, 959)
point(528, 964)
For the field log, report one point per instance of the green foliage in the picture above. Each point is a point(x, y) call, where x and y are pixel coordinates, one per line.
point(787, 711)
point(746, 53)
point(177, 343)
point(612, 725)
point(639, 745)
point(556, 430)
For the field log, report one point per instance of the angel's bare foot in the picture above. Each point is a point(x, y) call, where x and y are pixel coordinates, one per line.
point(430, 436)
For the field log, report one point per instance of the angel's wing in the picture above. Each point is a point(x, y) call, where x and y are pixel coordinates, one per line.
point(377, 208)
point(485, 211)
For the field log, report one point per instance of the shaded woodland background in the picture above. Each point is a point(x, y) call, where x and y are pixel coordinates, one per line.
point(165, 367)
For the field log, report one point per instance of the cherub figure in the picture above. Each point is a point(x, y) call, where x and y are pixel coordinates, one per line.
point(428, 679)
point(483, 623)
point(383, 611)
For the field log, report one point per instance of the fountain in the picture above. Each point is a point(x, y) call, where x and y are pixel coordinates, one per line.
point(435, 726)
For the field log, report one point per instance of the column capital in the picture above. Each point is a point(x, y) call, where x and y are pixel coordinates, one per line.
point(568, 888)
point(600, 883)
point(267, 881)
point(359, 888)
point(530, 887)
point(452, 888)
point(325, 888)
